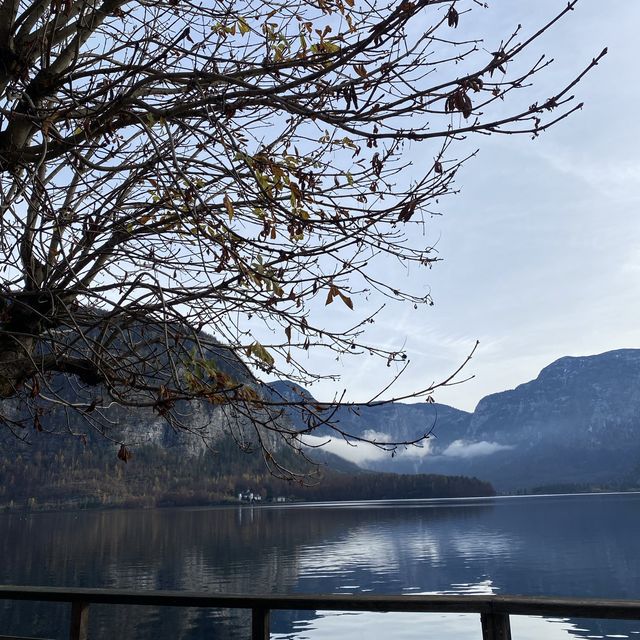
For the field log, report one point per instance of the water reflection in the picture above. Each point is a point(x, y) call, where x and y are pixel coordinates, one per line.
point(581, 546)
point(331, 625)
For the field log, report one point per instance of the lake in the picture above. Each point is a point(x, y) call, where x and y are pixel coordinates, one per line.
point(582, 545)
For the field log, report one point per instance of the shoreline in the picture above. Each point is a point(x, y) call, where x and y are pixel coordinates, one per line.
point(290, 504)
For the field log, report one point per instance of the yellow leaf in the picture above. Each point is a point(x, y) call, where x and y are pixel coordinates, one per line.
point(348, 142)
point(228, 205)
point(330, 47)
point(243, 26)
point(260, 352)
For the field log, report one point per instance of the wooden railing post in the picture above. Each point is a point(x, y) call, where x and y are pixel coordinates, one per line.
point(260, 623)
point(495, 626)
point(79, 625)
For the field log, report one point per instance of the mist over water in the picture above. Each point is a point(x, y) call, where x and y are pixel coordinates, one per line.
point(584, 546)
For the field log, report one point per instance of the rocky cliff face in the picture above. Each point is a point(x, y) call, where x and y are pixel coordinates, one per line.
point(577, 422)
point(196, 425)
point(591, 401)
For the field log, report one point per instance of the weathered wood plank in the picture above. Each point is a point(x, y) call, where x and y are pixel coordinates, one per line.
point(260, 621)
point(79, 625)
point(510, 605)
point(495, 626)
point(20, 638)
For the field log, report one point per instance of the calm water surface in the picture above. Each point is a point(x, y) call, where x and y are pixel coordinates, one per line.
point(584, 546)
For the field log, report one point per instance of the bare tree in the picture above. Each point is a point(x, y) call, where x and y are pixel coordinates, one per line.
point(181, 179)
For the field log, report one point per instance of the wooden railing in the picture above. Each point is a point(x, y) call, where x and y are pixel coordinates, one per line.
point(494, 610)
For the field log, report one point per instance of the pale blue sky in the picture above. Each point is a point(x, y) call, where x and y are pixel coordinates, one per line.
point(541, 250)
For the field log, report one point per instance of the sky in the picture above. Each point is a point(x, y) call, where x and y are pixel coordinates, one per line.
point(541, 249)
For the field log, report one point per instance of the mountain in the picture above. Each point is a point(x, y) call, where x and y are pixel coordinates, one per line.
point(60, 458)
point(577, 423)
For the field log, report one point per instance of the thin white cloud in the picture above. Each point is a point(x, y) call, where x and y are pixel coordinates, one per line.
point(361, 453)
point(464, 449)
point(377, 436)
point(356, 453)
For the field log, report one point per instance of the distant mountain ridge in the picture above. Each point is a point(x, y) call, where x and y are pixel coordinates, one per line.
point(578, 422)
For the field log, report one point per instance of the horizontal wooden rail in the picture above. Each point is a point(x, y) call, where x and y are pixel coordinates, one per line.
point(494, 610)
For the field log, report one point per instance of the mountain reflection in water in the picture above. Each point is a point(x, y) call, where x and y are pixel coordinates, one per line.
point(584, 546)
